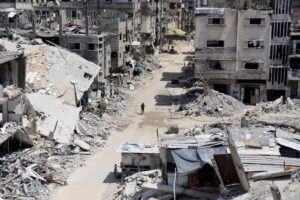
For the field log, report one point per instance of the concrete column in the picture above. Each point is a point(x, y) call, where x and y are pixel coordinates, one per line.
point(33, 22)
point(60, 23)
point(21, 72)
point(5, 112)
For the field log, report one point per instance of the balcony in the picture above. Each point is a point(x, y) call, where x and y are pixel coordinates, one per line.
point(218, 53)
point(251, 74)
point(215, 74)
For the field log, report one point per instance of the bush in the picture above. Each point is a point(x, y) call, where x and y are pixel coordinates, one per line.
point(102, 106)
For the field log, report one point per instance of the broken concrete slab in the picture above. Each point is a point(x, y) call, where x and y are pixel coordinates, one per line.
point(54, 117)
point(83, 145)
point(271, 174)
point(180, 190)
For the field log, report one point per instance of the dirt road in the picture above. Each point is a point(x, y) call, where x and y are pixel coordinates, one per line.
point(95, 180)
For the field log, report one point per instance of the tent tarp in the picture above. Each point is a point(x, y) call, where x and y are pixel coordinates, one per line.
point(189, 160)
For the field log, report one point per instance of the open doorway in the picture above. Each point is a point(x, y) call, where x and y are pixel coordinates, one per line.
point(251, 95)
point(205, 177)
point(223, 88)
point(272, 95)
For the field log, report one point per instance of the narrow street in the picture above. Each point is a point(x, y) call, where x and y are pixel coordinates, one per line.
point(95, 180)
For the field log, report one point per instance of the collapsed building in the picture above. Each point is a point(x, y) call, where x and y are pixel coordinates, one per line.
point(111, 34)
point(12, 102)
point(242, 48)
point(294, 58)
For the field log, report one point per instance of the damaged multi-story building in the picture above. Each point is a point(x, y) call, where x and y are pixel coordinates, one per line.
point(294, 58)
point(12, 102)
point(242, 48)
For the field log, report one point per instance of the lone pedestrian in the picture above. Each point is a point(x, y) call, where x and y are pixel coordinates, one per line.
point(142, 108)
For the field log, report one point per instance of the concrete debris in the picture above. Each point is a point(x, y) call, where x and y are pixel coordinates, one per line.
point(201, 129)
point(274, 107)
point(53, 70)
point(277, 113)
point(11, 91)
point(12, 130)
point(60, 73)
point(132, 188)
point(54, 118)
point(83, 145)
point(212, 103)
point(91, 125)
point(271, 174)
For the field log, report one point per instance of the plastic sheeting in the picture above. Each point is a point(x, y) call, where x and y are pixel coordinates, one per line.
point(189, 160)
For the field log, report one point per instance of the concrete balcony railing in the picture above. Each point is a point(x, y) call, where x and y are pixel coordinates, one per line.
point(251, 74)
point(214, 74)
point(215, 50)
point(221, 53)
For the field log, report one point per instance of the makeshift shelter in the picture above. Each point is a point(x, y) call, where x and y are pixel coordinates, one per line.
point(191, 162)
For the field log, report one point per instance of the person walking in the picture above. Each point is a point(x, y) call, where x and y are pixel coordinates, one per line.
point(142, 108)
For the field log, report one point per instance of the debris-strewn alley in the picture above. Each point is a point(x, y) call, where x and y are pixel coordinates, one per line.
point(96, 179)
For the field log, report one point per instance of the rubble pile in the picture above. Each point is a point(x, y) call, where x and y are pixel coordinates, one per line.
point(212, 103)
point(132, 188)
point(202, 129)
point(151, 63)
point(147, 65)
point(30, 173)
point(276, 113)
point(277, 106)
point(93, 129)
point(292, 189)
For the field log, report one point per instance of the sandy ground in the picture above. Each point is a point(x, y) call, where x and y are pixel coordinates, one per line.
point(95, 180)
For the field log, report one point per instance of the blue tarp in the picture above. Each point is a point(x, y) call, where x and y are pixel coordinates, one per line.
point(189, 160)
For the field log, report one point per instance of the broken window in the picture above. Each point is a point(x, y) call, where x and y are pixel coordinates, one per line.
point(172, 5)
point(254, 21)
point(216, 21)
point(297, 48)
point(251, 65)
point(295, 63)
point(215, 43)
point(74, 14)
point(215, 64)
point(91, 46)
point(257, 21)
point(255, 44)
point(74, 46)
point(114, 54)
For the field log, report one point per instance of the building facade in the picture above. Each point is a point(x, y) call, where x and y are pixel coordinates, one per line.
point(242, 48)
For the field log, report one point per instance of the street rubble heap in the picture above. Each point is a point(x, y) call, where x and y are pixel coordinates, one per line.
point(276, 113)
point(211, 103)
point(132, 187)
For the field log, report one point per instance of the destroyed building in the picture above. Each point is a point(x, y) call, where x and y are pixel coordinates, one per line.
point(294, 58)
point(12, 102)
point(188, 15)
point(242, 48)
point(113, 24)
